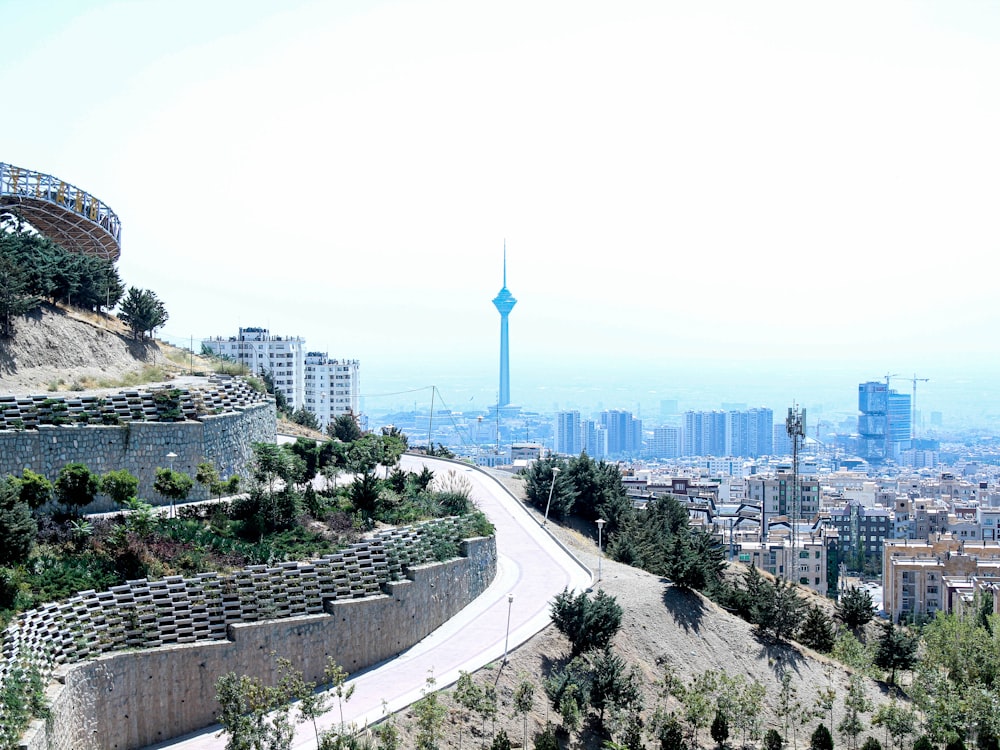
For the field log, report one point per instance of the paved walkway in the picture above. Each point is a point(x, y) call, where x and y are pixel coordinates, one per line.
point(533, 568)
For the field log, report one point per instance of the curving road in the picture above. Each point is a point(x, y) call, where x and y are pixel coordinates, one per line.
point(532, 567)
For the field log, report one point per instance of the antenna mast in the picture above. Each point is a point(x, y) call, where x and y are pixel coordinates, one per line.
point(795, 426)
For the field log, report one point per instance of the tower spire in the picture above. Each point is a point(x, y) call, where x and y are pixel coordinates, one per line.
point(504, 262)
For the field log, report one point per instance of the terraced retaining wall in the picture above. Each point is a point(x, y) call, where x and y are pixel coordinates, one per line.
point(217, 423)
point(360, 606)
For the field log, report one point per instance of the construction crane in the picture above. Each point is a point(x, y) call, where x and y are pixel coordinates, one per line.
point(913, 401)
point(913, 404)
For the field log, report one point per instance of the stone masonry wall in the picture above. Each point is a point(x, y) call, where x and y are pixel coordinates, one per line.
point(141, 447)
point(352, 606)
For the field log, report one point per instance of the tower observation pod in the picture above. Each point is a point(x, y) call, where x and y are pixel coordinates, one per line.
point(67, 215)
point(504, 303)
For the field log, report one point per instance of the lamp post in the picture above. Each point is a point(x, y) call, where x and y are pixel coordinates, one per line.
point(170, 457)
point(506, 639)
point(551, 487)
point(600, 549)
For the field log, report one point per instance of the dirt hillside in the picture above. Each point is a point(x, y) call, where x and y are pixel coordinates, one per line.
point(63, 349)
point(662, 626)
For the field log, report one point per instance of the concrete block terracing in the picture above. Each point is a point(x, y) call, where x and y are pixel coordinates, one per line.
point(217, 421)
point(360, 606)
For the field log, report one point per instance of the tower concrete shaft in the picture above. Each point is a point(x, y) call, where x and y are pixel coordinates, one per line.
point(504, 303)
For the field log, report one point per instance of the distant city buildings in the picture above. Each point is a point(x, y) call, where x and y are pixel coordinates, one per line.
point(614, 434)
point(884, 422)
point(310, 380)
point(747, 433)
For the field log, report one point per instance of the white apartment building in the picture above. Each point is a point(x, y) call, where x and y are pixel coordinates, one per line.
point(281, 356)
point(331, 387)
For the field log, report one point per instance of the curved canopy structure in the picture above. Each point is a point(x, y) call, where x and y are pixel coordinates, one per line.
point(64, 213)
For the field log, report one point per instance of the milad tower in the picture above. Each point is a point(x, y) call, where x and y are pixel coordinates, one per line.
point(504, 302)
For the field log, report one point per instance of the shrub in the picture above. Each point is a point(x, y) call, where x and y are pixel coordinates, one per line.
point(588, 623)
point(821, 739)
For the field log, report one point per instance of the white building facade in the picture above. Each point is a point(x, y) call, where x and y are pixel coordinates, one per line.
point(282, 357)
point(331, 386)
point(310, 380)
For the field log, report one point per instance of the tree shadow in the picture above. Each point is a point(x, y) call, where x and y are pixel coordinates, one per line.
point(781, 656)
point(685, 606)
point(7, 364)
point(551, 664)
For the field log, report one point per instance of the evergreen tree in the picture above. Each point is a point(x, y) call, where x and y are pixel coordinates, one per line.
point(821, 739)
point(17, 526)
point(772, 740)
point(816, 631)
point(611, 684)
point(16, 298)
point(587, 623)
point(142, 311)
point(855, 608)
point(777, 610)
point(345, 428)
point(720, 729)
point(895, 650)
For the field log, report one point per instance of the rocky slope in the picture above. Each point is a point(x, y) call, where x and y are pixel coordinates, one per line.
point(82, 350)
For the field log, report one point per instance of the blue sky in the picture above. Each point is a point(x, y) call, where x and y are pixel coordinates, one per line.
point(752, 190)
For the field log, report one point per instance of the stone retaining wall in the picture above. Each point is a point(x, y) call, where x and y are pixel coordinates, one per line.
point(353, 606)
point(220, 425)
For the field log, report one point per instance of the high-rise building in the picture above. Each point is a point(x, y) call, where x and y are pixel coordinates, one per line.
point(704, 433)
point(624, 432)
point(899, 428)
point(326, 387)
point(504, 303)
point(568, 433)
point(873, 403)
point(666, 442)
point(593, 439)
point(281, 357)
point(331, 387)
point(750, 433)
point(885, 422)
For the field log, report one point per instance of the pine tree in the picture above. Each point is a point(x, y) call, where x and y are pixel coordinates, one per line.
point(855, 608)
point(816, 631)
point(895, 650)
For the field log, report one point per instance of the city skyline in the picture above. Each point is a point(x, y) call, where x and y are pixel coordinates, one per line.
point(705, 202)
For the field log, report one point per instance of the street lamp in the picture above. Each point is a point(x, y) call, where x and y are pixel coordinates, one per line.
point(600, 549)
point(506, 639)
point(170, 457)
point(551, 487)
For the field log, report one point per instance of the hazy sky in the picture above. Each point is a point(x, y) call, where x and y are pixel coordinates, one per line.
point(699, 186)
